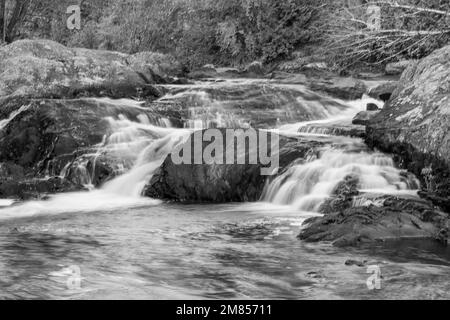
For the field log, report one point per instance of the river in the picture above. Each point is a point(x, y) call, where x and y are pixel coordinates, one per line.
point(111, 243)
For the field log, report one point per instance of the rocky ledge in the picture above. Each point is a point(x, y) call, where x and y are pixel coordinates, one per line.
point(415, 125)
point(351, 218)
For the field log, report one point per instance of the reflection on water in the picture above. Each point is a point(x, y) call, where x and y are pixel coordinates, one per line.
point(227, 251)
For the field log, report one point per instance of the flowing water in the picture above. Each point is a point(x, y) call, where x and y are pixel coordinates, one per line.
point(112, 243)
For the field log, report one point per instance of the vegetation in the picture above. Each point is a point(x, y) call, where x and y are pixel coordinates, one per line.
point(235, 32)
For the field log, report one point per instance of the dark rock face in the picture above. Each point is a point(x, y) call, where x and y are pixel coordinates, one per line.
point(415, 125)
point(217, 183)
point(47, 135)
point(364, 117)
point(387, 218)
point(372, 107)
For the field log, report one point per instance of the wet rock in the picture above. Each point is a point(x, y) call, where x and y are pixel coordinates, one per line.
point(335, 129)
point(217, 183)
point(397, 68)
point(415, 125)
point(351, 263)
point(342, 88)
point(396, 218)
point(383, 91)
point(36, 188)
point(231, 106)
point(364, 117)
point(372, 107)
point(47, 135)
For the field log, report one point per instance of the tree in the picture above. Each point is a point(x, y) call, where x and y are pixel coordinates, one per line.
point(2, 20)
point(17, 14)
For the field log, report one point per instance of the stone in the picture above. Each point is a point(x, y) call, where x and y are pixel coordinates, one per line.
point(397, 68)
point(219, 183)
point(383, 91)
point(372, 107)
point(363, 117)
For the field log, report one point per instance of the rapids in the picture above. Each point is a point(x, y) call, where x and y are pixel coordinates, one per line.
point(128, 246)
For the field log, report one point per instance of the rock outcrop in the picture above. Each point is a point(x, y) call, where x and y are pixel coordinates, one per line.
point(415, 125)
point(218, 183)
point(363, 117)
point(388, 218)
point(47, 69)
point(352, 218)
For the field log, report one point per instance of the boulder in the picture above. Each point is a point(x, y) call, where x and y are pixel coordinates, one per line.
point(397, 68)
point(218, 183)
point(363, 117)
point(383, 91)
point(415, 124)
point(372, 107)
point(44, 68)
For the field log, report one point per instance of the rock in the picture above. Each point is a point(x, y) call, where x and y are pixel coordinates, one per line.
point(351, 263)
point(363, 117)
point(51, 137)
point(156, 67)
point(36, 188)
point(255, 68)
point(316, 66)
point(415, 124)
point(46, 69)
point(383, 91)
point(372, 107)
point(395, 219)
point(342, 88)
point(217, 183)
point(397, 68)
point(236, 106)
point(335, 129)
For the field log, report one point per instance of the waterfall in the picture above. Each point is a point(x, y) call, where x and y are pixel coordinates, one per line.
point(307, 185)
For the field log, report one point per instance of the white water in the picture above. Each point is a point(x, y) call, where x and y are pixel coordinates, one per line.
point(307, 185)
point(140, 147)
point(5, 122)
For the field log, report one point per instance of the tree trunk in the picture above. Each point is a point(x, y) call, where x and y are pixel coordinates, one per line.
point(2, 20)
point(19, 12)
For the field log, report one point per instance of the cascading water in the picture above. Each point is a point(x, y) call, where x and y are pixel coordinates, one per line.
point(305, 186)
point(136, 148)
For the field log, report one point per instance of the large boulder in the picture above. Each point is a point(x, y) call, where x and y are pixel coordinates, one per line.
point(415, 125)
point(44, 68)
point(217, 183)
point(363, 117)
